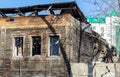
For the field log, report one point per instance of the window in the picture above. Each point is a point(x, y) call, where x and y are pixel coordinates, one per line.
point(18, 46)
point(54, 45)
point(36, 45)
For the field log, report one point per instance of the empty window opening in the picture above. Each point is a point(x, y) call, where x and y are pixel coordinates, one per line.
point(19, 46)
point(36, 45)
point(54, 45)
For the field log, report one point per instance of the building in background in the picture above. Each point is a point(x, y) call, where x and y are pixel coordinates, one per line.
point(108, 27)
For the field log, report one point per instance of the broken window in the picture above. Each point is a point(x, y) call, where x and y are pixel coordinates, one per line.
point(36, 45)
point(54, 45)
point(18, 48)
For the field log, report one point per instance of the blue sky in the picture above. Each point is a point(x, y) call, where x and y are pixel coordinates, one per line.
point(18, 3)
point(88, 7)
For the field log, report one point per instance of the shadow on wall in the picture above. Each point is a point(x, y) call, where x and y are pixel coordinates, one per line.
point(66, 60)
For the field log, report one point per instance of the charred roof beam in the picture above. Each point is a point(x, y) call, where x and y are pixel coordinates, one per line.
point(51, 11)
point(19, 12)
point(64, 7)
point(3, 14)
point(40, 9)
point(71, 7)
point(34, 12)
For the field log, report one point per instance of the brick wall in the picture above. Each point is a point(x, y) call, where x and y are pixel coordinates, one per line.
point(28, 66)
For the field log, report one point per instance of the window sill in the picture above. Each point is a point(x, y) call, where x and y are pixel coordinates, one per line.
point(35, 57)
point(17, 57)
point(53, 57)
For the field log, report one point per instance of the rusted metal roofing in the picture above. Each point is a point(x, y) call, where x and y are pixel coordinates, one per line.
point(64, 7)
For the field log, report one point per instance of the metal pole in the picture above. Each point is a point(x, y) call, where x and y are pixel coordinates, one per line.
point(80, 41)
point(116, 74)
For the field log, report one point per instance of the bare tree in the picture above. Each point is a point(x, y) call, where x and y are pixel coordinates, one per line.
point(103, 7)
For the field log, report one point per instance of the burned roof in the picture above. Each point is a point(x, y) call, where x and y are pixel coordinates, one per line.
point(64, 7)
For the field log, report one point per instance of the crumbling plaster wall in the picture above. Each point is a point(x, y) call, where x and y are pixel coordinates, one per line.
point(99, 70)
point(89, 45)
point(44, 65)
point(28, 66)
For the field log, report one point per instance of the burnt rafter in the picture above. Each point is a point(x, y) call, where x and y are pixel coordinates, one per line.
point(19, 12)
point(51, 11)
point(2, 14)
point(64, 7)
point(34, 12)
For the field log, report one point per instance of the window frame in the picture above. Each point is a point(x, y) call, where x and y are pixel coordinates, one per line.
point(31, 44)
point(15, 49)
point(52, 35)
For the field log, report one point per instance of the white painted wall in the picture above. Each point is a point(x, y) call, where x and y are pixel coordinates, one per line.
point(99, 70)
point(107, 30)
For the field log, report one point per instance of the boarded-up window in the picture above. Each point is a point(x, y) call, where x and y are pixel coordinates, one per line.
point(36, 45)
point(18, 48)
point(54, 45)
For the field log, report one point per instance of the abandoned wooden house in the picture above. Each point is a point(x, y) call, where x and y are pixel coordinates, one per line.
point(35, 44)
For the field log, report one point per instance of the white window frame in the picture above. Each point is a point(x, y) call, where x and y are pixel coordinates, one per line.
point(15, 49)
point(49, 45)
